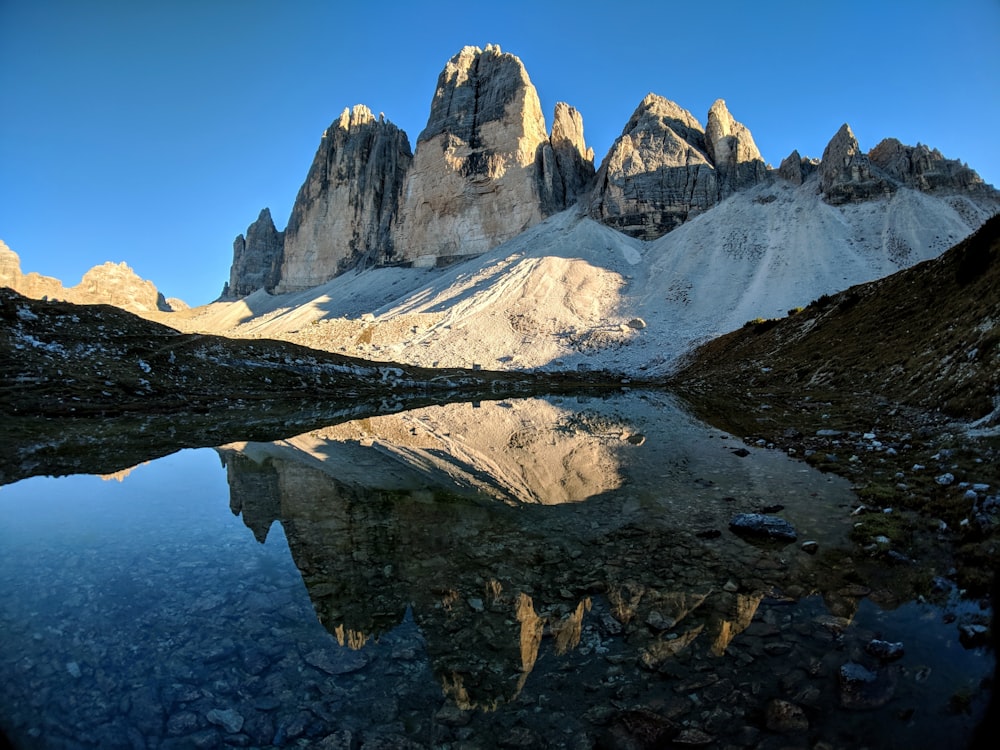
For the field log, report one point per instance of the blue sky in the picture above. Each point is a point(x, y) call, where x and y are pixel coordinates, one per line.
point(154, 132)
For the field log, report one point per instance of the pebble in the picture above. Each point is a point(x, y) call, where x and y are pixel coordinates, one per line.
point(229, 719)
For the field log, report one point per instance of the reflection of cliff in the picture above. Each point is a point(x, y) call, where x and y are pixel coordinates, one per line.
point(528, 451)
point(375, 525)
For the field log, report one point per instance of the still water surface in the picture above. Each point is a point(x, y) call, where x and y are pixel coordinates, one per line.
point(522, 573)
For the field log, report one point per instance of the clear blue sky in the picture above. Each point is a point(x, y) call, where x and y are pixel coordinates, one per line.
point(154, 131)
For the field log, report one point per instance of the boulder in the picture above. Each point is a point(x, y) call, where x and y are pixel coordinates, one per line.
point(761, 526)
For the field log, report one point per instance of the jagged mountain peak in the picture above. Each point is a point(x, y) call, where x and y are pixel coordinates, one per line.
point(657, 113)
point(477, 86)
point(485, 168)
point(846, 173)
point(665, 168)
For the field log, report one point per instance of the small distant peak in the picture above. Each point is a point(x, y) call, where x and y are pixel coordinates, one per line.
point(844, 136)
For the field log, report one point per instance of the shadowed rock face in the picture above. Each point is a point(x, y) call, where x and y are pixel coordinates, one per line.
point(924, 168)
point(737, 161)
point(565, 164)
point(665, 168)
point(796, 169)
point(256, 258)
point(343, 212)
point(845, 172)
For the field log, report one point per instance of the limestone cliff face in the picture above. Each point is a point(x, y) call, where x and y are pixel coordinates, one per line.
point(657, 174)
point(924, 168)
point(108, 284)
point(117, 284)
point(737, 160)
point(566, 164)
point(796, 169)
point(474, 182)
point(342, 215)
point(846, 173)
point(256, 258)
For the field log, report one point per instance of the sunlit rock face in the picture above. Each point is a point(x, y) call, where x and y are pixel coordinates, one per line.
point(107, 284)
point(544, 456)
point(665, 168)
point(730, 145)
point(343, 211)
point(565, 163)
point(474, 182)
point(256, 258)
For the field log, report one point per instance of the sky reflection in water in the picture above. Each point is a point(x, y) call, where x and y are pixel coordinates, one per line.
point(443, 574)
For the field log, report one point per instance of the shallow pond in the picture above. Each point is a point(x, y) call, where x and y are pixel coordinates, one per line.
point(539, 572)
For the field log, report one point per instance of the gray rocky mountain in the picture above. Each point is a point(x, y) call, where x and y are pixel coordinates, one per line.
point(484, 168)
point(738, 163)
point(566, 164)
point(846, 173)
point(343, 212)
point(924, 168)
point(256, 258)
point(796, 169)
point(665, 168)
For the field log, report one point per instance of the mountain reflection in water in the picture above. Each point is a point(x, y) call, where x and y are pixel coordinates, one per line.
point(566, 570)
point(399, 511)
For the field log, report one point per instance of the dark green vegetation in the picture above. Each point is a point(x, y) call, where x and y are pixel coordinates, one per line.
point(882, 383)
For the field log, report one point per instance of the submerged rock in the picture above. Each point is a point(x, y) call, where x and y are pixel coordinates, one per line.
point(885, 650)
point(763, 527)
point(860, 688)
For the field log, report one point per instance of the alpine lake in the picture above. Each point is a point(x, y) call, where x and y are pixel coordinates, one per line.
point(540, 572)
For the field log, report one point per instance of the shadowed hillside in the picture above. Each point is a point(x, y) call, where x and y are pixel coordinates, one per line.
point(926, 337)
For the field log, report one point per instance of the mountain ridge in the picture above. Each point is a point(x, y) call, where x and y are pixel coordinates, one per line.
point(486, 168)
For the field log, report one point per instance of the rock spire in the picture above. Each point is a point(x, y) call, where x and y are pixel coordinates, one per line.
point(845, 172)
point(730, 146)
point(256, 258)
point(343, 212)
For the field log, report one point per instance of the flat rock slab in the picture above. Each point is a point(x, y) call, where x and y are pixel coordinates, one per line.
point(760, 526)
